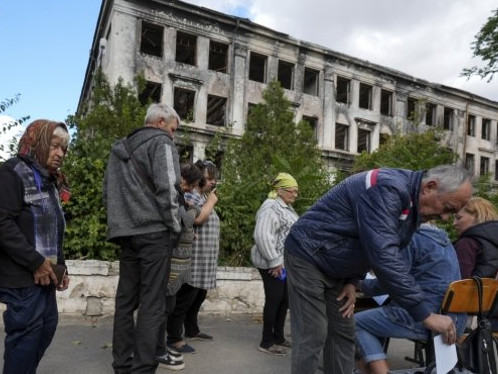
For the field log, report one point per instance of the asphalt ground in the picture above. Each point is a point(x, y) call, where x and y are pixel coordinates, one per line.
point(83, 346)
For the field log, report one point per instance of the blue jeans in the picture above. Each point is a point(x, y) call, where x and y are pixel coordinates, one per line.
point(316, 322)
point(30, 322)
point(144, 268)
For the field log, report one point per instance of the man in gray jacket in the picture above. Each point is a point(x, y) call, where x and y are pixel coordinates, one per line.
point(141, 197)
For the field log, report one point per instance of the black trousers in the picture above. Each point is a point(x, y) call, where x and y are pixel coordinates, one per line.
point(275, 309)
point(188, 303)
point(143, 274)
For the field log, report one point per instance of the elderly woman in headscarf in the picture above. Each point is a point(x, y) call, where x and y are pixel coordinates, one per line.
point(31, 234)
point(273, 222)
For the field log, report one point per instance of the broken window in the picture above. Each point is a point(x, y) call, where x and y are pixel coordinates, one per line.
point(257, 67)
point(310, 86)
point(343, 87)
point(151, 41)
point(411, 109)
point(470, 163)
point(365, 96)
point(484, 165)
point(285, 74)
point(363, 141)
point(186, 48)
point(448, 119)
point(496, 170)
point(486, 129)
point(183, 103)
point(313, 122)
point(430, 114)
point(471, 125)
point(386, 103)
point(341, 136)
point(218, 57)
point(216, 110)
point(151, 93)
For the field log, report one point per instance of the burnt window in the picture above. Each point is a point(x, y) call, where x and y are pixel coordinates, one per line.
point(486, 129)
point(384, 138)
point(430, 114)
point(216, 110)
point(257, 67)
point(151, 93)
point(386, 103)
point(186, 48)
point(484, 167)
point(363, 141)
point(470, 163)
point(313, 122)
point(343, 89)
point(285, 74)
point(365, 96)
point(448, 119)
point(218, 57)
point(183, 103)
point(411, 109)
point(496, 170)
point(151, 41)
point(310, 85)
point(471, 125)
point(341, 136)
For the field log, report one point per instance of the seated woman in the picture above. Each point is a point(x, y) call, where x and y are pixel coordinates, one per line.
point(434, 265)
point(477, 244)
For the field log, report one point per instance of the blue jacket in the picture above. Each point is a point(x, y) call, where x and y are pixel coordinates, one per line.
point(361, 224)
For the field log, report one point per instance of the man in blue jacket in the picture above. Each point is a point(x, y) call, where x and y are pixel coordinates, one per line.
point(359, 225)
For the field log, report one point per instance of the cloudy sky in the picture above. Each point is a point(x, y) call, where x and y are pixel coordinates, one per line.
point(45, 43)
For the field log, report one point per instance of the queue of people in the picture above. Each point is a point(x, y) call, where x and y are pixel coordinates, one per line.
point(162, 215)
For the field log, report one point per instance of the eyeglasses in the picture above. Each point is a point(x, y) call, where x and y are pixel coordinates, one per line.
point(293, 192)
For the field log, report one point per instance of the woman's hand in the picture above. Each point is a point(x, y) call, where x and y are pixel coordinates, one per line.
point(348, 292)
point(276, 271)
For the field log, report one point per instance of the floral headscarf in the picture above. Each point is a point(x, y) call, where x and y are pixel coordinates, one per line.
point(34, 146)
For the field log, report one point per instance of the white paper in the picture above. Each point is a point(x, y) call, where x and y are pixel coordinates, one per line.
point(446, 355)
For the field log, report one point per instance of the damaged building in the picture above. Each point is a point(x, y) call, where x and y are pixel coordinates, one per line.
point(213, 67)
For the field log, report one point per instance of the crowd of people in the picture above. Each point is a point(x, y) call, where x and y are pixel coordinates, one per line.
point(162, 216)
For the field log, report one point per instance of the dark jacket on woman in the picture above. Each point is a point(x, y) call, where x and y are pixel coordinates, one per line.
point(478, 246)
point(362, 224)
point(31, 222)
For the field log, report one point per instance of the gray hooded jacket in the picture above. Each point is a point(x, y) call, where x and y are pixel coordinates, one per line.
point(132, 208)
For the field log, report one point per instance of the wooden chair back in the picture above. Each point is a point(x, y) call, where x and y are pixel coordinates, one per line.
point(461, 297)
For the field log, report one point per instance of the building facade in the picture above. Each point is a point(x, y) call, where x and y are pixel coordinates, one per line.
point(213, 68)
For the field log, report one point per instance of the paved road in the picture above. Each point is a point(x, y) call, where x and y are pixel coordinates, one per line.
point(83, 347)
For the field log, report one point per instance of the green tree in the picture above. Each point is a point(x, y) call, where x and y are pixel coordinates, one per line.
point(6, 128)
point(271, 143)
point(111, 113)
point(485, 46)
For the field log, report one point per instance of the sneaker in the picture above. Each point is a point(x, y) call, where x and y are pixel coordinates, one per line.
point(169, 363)
point(174, 354)
point(273, 350)
point(285, 344)
point(182, 348)
point(200, 336)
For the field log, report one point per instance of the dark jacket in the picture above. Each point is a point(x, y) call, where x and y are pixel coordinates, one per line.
point(486, 236)
point(361, 224)
point(31, 222)
point(132, 207)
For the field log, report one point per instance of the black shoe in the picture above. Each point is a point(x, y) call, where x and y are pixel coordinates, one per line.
point(170, 363)
point(199, 336)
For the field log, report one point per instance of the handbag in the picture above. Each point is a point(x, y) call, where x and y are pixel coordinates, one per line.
point(477, 352)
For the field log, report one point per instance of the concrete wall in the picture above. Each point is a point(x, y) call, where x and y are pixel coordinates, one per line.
point(93, 287)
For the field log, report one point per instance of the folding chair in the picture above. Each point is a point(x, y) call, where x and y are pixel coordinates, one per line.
point(461, 297)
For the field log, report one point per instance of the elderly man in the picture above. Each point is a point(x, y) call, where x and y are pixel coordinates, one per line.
point(141, 196)
point(359, 225)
